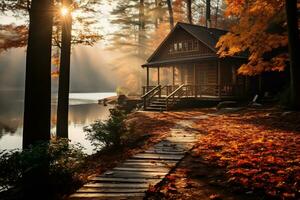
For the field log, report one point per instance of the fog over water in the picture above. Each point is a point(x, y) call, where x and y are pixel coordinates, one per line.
point(94, 71)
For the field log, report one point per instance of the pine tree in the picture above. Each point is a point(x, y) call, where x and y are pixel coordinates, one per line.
point(64, 74)
point(170, 10)
point(294, 52)
point(38, 74)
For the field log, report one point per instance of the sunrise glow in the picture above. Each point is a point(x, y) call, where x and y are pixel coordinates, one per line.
point(64, 11)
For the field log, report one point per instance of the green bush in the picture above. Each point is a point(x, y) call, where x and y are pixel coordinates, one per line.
point(109, 133)
point(61, 159)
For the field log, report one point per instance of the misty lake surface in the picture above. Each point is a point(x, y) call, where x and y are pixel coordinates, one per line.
point(83, 110)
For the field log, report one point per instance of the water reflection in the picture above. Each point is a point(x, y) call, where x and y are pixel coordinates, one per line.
point(82, 112)
point(80, 116)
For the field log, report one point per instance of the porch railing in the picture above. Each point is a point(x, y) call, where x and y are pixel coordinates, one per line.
point(204, 90)
point(165, 90)
point(175, 96)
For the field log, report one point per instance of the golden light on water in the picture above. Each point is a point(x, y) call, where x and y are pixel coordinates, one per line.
point(64, 11)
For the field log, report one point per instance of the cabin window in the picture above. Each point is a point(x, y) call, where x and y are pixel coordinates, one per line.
point(171, 49)
point(195, 45)
point(184, 46)
point(180, 46)
point(175, 47)
point(190, 45)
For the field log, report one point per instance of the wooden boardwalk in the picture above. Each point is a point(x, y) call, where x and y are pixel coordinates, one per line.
point(132, 178)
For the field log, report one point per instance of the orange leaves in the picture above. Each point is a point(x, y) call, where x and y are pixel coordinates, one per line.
point(255, 33)
point(13, 36)
point(256, 154)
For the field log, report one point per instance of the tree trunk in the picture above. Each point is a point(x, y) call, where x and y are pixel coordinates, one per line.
point(37, 106)
point(141, 28)
point(157, 7)
point(170, 10)
point(189, 11)
point(64, 75)
point(38, 96)
point(294, 52)
point(217, 14)
point(208, 20)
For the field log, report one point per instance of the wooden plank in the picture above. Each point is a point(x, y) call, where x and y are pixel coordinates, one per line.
point(125, 180)
point(111, 190)
point(180, 137)
point(164, 152)
point(191, 136)
point(164, 149)
point(94, 195)
point(116, 185)
point(147, 165)
point(128, 174)
point(152, 162)
point(181, 140)
point(158, 156)
point(138, 169)
point(171, 144)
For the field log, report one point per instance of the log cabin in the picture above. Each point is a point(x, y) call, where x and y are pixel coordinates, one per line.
point(186, 66)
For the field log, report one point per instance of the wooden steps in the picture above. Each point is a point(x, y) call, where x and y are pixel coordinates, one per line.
point(132, 178)
point(157, 104)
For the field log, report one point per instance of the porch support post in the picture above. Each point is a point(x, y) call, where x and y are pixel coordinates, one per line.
point(158, 81)
point(195, 79)
point(147, 82)
point(219, 79)
point(173, 72)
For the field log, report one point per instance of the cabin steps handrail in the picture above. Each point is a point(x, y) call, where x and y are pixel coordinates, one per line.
point(176, 94)
point(150, 94)
point(150, 91)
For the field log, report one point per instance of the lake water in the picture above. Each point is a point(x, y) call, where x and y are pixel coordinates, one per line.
point(83, 110)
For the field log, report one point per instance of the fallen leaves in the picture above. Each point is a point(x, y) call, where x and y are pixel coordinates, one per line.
point(256, 154)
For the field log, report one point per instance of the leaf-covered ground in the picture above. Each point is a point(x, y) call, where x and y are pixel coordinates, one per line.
point(249, 154)
point(260, 150)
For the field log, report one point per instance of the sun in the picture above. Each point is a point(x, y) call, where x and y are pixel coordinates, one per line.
point(64, 11)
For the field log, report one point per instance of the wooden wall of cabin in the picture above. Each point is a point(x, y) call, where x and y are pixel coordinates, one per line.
point(205, 73)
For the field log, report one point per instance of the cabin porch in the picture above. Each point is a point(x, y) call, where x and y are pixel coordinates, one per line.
point(166, 85)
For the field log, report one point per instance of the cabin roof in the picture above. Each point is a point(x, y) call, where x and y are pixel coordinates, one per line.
point(208, 36)
point(180, 60)
point(186, 60)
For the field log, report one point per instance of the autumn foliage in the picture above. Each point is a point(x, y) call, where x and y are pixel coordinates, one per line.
point(260, 151)
point(12, 36)
point(260, 32)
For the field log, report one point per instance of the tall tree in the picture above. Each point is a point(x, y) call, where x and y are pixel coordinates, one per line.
point(38, 93)
point(189, 11)
point(141, 33)
point(170, 10)
point(64, 71)
point(207, 18)
point(38, 73)
point(294, 51)
point(217, 13)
